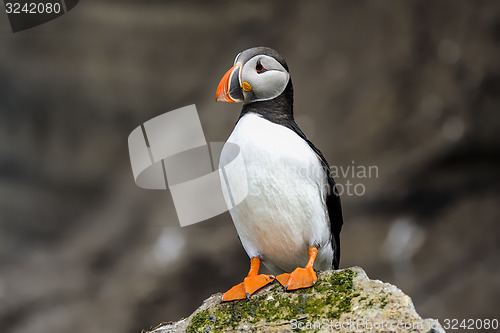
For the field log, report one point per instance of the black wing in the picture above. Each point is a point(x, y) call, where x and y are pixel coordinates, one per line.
point(332, 200)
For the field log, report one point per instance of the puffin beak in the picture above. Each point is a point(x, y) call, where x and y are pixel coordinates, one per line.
point(229, 89)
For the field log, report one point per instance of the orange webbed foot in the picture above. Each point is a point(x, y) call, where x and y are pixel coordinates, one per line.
point(249, 286)
point(299, 278)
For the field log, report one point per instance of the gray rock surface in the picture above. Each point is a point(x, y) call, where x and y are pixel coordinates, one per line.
point(343, 301)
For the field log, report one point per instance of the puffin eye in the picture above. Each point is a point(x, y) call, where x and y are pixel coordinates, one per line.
point(259, 68)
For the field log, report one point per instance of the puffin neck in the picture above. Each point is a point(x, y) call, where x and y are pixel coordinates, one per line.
point(279, 110)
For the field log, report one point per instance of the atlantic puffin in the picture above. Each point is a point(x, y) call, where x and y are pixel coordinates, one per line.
point(292, 217)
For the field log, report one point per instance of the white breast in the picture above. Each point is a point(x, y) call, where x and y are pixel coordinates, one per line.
point(284, 213)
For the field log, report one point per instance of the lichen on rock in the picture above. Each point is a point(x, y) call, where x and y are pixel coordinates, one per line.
point(343, 300)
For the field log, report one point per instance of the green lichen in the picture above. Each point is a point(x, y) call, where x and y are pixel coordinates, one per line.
point(383, 302)
point(329, 298)
point(375, 303)
point(197, 321)
point(370, 304)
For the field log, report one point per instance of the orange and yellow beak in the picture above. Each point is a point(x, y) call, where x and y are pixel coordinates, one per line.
point(229, 89)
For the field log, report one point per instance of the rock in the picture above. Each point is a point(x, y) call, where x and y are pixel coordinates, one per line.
point(342, 300)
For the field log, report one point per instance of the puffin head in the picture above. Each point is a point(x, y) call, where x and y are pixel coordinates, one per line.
point(258, 74)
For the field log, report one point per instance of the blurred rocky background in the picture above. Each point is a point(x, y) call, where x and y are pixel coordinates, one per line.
point(411, 88)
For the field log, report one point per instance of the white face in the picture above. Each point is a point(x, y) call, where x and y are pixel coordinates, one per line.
point(266, 76)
